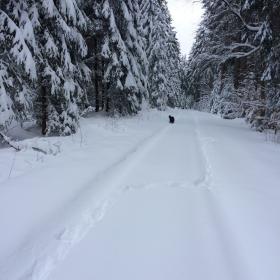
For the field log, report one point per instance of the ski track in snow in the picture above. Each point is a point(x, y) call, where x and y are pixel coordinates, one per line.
point(224, 239)
point(234, 261)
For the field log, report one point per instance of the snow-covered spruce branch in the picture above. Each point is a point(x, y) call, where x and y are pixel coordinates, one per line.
point(19, 50)
point(240, 54)
point(233, 52)
point(205, 60)
point(235, 46)
point(223, 53)
point(8, 141)
point(17, 147)
point(12, 68)
point(238, 14)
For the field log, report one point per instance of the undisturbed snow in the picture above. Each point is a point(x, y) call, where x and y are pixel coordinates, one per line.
point(139, 198)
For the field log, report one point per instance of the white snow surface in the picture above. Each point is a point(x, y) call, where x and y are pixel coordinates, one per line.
point(139, 198)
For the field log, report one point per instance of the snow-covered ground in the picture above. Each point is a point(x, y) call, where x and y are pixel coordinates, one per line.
point(139, 198)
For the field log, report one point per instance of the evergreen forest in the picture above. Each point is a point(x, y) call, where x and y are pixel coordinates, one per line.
point(60, 59)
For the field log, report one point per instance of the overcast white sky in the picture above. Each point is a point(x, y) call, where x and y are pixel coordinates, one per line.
point(186, 15)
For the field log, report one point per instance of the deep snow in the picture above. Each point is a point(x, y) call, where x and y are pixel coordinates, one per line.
point(139, 198)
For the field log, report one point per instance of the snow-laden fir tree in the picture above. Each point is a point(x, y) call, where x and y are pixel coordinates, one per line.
point(17, 65)
point(121, 79)
point(175, 97)
point(63, 76)
point(163, 54)
point(42, 58)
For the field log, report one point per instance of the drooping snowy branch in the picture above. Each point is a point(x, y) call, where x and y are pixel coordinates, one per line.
point(19, 49)
point(236, 12)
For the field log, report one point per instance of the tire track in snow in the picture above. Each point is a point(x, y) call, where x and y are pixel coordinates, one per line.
point(237, 265)
point(225, 239)
point(43, 251)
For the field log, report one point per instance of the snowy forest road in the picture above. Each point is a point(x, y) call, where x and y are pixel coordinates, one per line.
point(195, 200)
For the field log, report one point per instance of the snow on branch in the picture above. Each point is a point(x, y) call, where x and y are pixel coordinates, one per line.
point(48, 149)
point(238, 54)
point(19, 50)
point(235, 46)
point(8, 141)
point(237, 13)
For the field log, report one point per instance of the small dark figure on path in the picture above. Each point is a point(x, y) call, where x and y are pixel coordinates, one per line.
point(171, 119)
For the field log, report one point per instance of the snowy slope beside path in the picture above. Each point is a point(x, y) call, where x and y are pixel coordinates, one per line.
point(195, 200)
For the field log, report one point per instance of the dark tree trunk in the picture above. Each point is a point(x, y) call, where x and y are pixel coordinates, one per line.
point(97, 101)
point(237, 73)
point(107, 105)
point(103, 86)
point(44, 108)
point(96, 77)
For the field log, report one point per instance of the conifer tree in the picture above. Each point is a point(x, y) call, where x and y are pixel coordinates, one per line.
point(163, 54)
point(124, 74)
point(63, 75)
point(17, 66)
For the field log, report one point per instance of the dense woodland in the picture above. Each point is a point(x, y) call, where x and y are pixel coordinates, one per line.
point(58, 58)
point(62, 58)
point(234, 66)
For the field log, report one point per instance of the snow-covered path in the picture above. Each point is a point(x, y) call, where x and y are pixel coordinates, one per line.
point(194, 200)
